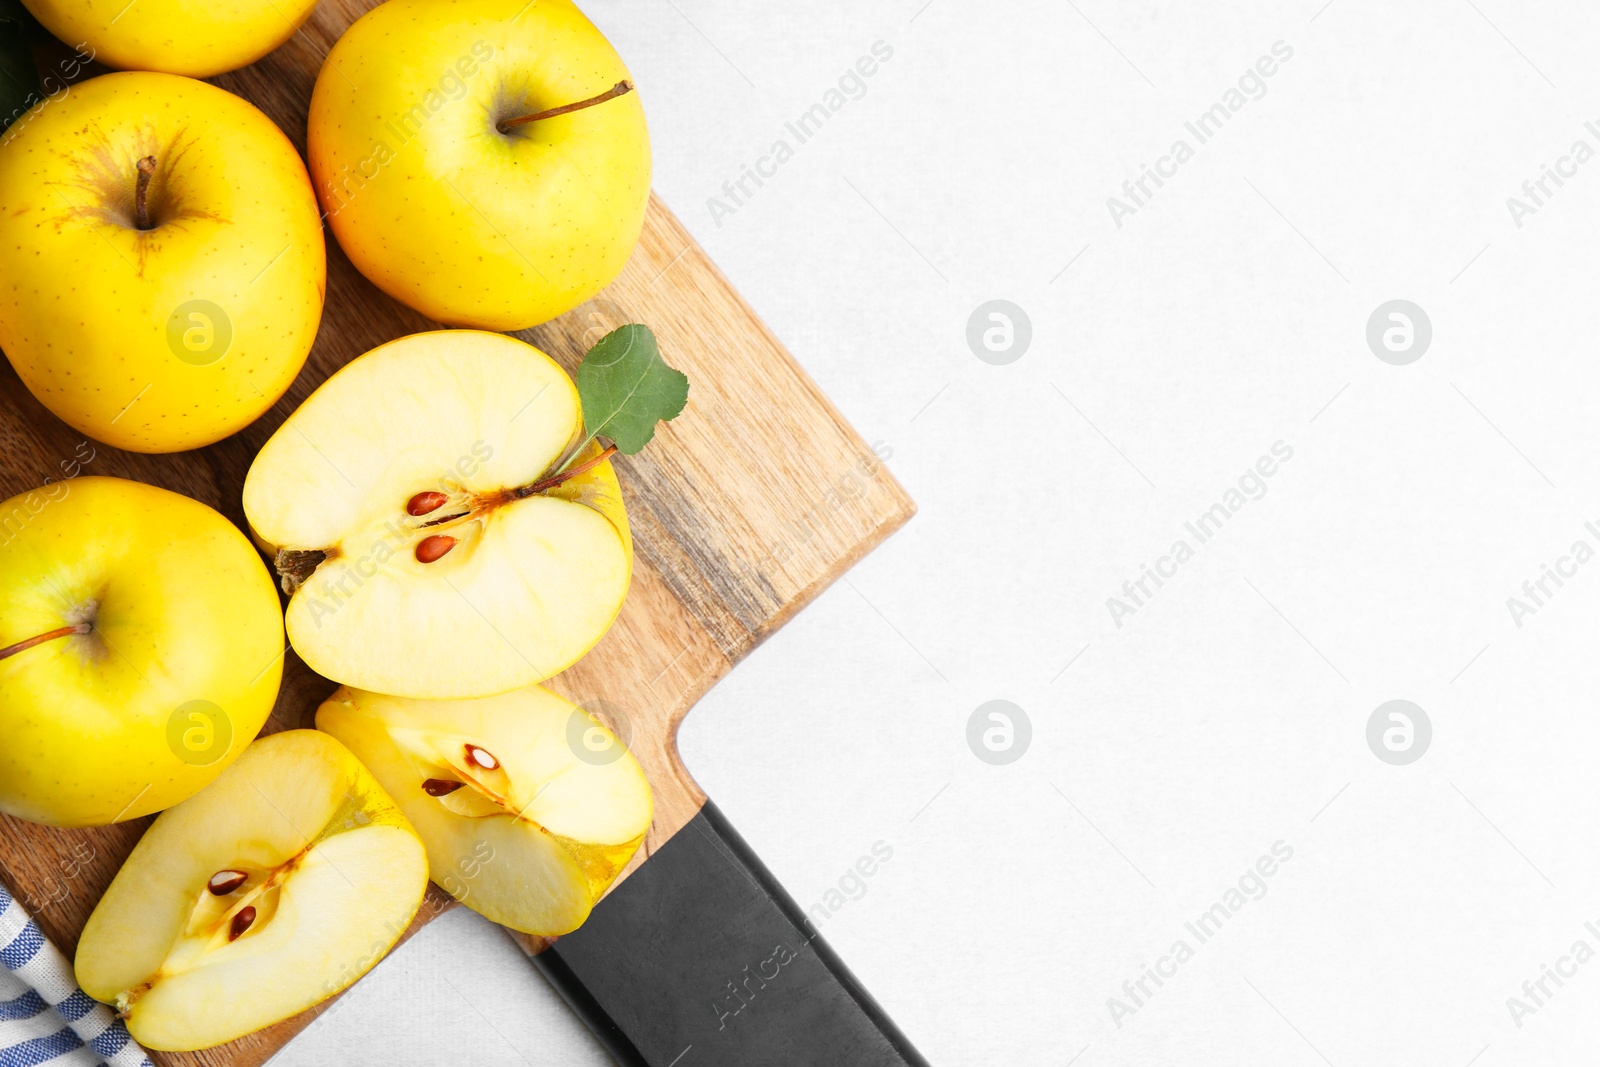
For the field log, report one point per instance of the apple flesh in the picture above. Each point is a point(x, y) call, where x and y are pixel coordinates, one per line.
point(269, 891)
point(528, 806)
point(141, 647)
point(401, 506)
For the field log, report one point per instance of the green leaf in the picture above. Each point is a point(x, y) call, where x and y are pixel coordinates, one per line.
point(19, 77)
point(626, 388)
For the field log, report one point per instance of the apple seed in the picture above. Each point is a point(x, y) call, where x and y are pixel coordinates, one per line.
point(426, 502)
point(241, 922)
point(434, 547)
point(439, 787)
point(482, 758)
point(224, 882)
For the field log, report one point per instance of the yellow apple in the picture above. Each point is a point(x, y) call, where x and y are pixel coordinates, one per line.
point(142, 650)
point(409, 510)
point(161, 260)
point(173, 36)
point(441, 197)
point(267, 892)
point(528, 806)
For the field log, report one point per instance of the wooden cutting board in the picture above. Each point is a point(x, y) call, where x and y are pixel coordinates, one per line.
point(743, 509)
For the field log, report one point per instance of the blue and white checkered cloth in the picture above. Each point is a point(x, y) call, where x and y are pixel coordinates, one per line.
point(44, 1017)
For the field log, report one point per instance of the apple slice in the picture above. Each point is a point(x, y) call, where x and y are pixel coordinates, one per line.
point(270, 890)
point(411, 512)
point(529, 807)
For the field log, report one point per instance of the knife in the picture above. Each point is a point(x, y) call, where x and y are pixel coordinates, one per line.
point(700, 958)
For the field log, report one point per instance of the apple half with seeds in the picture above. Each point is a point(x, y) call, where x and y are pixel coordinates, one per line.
point(267, 892)
point(529, 807)
point(436, 535)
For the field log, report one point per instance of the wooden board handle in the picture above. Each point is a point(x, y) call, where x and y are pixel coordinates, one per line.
point(701, 959)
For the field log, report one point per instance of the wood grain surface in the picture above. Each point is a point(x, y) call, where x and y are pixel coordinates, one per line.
point(742, 510)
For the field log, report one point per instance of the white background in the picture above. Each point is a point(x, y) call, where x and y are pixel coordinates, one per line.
point(1230, 711)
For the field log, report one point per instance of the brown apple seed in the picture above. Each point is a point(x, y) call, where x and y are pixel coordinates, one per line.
point(224, 882)
point(439, 787)
point(432, 548)
point(241, 922)
point(424, 503)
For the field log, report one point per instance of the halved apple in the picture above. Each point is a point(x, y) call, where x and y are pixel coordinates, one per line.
point(408, 508)
point(529, 807)
point(267, 892)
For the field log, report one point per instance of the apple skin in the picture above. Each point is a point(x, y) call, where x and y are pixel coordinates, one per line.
point(174, 36)
point(96, 314)
point(439, 209)
point(184, 611)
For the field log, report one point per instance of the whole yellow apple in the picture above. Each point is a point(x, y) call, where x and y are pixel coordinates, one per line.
point(174, 36)
point(161, 260)
point(141, 646)
point(484, 161)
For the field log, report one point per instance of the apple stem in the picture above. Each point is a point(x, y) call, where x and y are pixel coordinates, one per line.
point(65, 631)
point(141, 193)
point(619, 89)
point(572, 472)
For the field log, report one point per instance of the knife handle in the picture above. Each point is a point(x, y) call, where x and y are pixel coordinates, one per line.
point(701, 959)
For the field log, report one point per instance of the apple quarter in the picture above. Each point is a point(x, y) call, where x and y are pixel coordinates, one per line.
point(267, 892)
point(528, 806)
